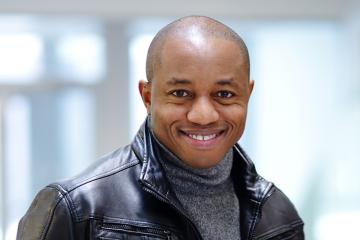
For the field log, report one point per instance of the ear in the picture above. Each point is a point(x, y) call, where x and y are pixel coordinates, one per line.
point(145, 92)
point(251, 86)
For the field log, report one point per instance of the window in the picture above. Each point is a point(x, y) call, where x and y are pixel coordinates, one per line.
point(17, 150)
point(48, 86)
point(80, 57)
point(21, 57)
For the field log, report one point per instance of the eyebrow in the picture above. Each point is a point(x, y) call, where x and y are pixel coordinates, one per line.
point(224, 82)
point(175, 81)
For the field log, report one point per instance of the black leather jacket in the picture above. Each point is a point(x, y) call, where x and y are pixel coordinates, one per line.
point(126, 196)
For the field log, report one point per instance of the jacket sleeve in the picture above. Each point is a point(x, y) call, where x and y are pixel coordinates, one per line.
point(279, 219)
point(48, 218)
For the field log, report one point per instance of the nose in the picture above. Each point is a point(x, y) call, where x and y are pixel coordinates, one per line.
point(202, 112)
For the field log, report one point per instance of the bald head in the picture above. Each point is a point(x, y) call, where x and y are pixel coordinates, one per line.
point(191, 28)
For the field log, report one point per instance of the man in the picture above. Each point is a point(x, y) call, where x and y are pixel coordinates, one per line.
point(184, 176)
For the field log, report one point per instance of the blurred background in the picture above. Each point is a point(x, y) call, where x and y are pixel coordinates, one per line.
point(68, 95)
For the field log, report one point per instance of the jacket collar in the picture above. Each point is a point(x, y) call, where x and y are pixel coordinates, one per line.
point(251, 188)
point(152, 175)
point(252, 191)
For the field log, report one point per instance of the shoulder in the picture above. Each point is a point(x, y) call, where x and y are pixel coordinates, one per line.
point(105, 169)
point(49, 208)
point(107, 166)
point(113, 175)
point(93, 193)
point(279, 217)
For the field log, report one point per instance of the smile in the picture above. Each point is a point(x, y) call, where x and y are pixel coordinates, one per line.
point(202, 137)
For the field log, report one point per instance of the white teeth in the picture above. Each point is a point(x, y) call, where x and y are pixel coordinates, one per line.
point(209, 137)
point(201, 137)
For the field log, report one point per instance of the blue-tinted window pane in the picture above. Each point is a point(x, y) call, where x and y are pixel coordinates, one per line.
point(77, 134)
point(21, 56)
point(80, 57)
point(17, 164)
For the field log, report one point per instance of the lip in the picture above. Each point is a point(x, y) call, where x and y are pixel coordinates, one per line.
point(203, 140)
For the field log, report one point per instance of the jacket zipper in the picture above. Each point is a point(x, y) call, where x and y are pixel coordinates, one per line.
point(156, 195)
point(136, 229)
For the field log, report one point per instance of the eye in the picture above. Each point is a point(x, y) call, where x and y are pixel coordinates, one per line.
point(180, 93)
point(224, 94)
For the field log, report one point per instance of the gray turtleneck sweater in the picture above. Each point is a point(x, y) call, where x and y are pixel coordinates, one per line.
point(207, 195)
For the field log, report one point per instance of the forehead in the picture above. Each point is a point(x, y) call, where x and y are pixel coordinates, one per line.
point(199, 52)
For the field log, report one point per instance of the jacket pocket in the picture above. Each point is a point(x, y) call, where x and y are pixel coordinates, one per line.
point(111, 231)
point(290, 234)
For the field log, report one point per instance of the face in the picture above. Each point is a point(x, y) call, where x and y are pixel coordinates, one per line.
point(198, 99)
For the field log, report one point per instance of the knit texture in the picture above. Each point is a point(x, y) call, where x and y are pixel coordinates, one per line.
point(208, 195)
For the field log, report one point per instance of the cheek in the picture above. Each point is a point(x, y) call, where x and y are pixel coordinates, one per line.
point(167, 111)
point(235, 115)
point(165, 115)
